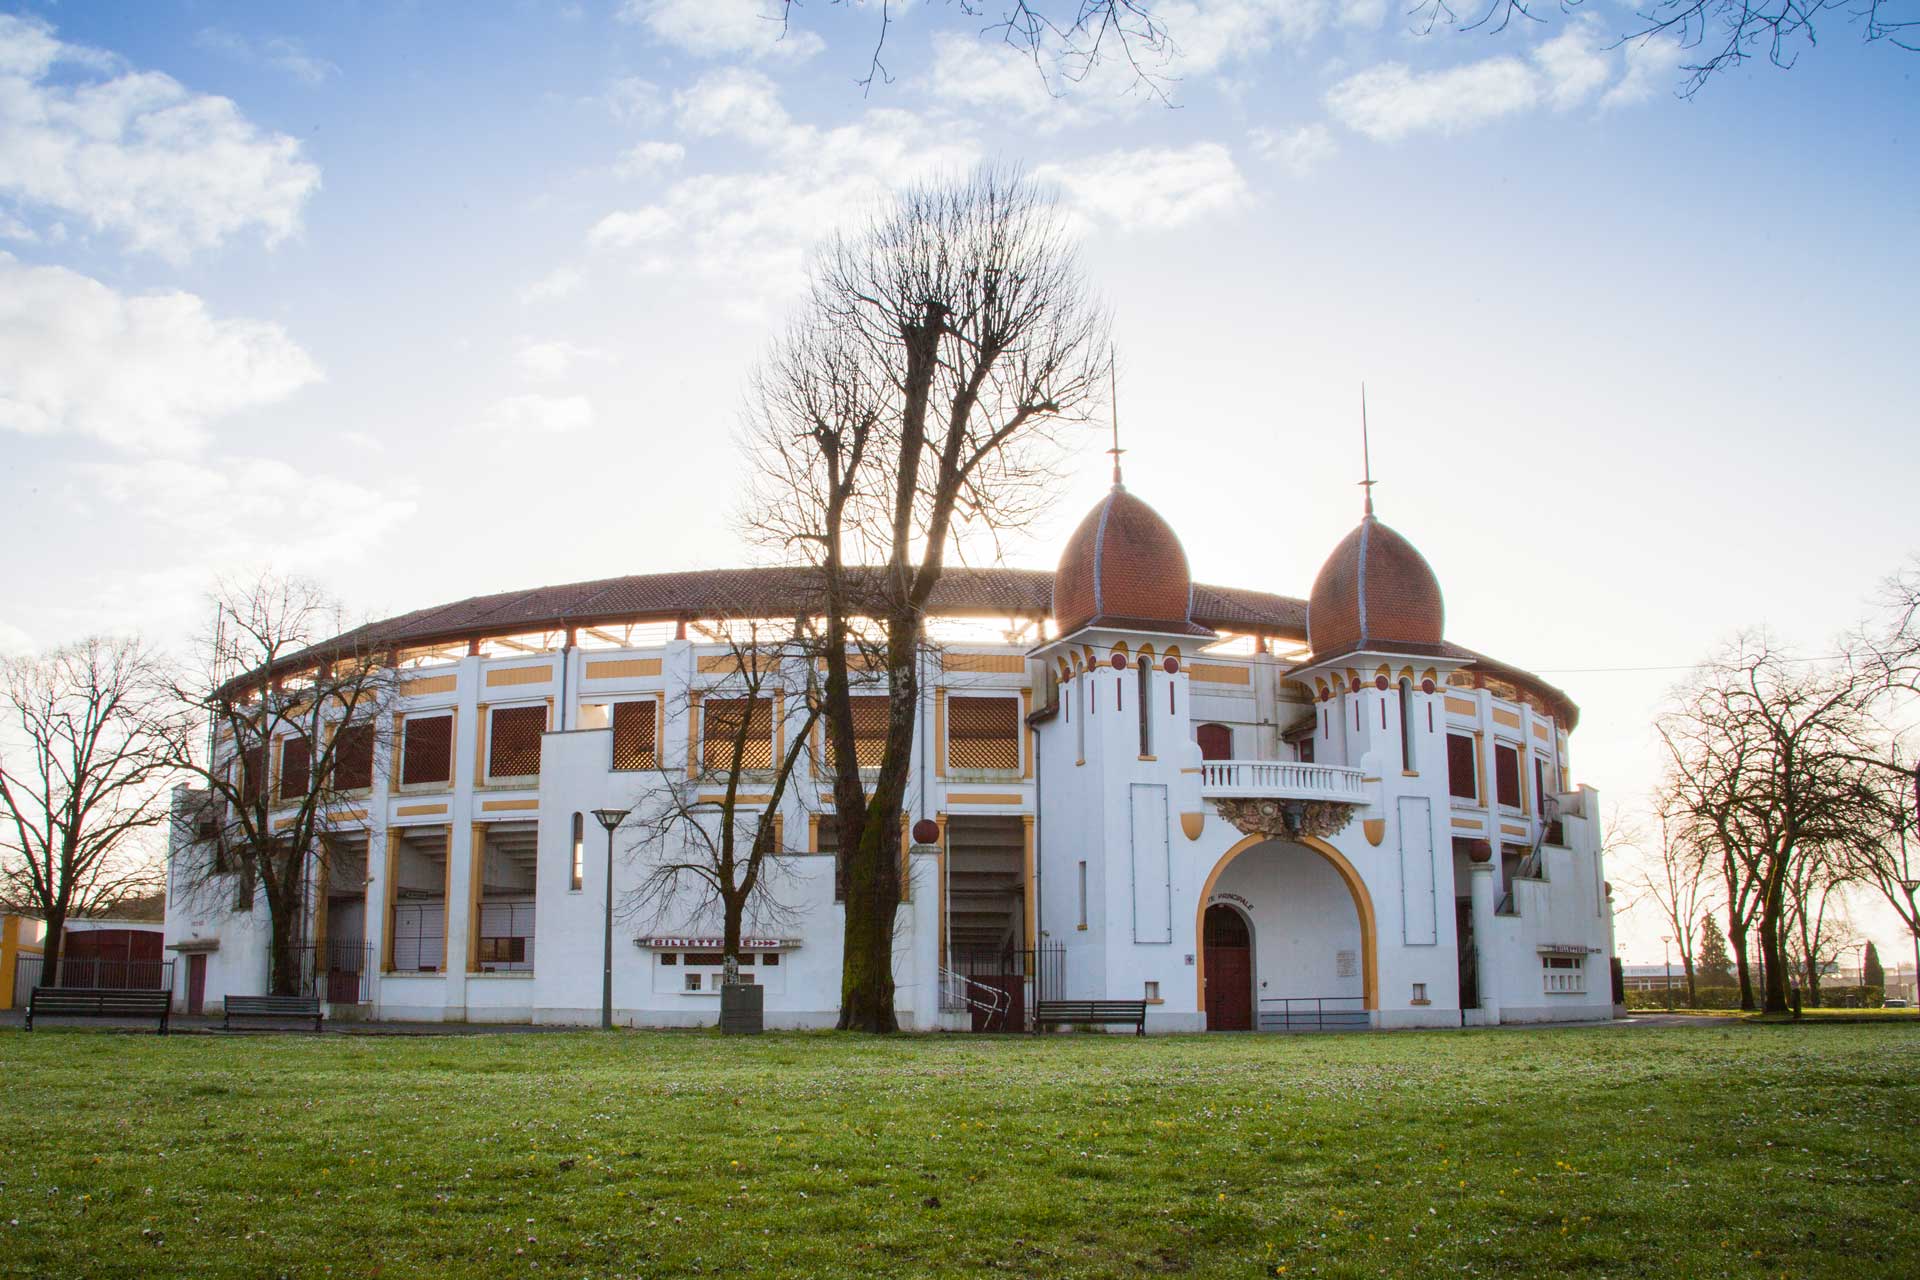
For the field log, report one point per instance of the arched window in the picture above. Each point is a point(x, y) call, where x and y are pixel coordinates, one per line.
point(1406, 725)
point(1216, 742)
point(579, 851)
point(1146, 707)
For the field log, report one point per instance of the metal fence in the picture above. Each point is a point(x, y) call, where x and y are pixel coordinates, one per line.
point(1313, 1013)
point(340, 972)
point(92, 974)
point(1026, 976)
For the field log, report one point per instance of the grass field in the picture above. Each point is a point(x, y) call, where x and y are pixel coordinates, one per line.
point(1708, 1150)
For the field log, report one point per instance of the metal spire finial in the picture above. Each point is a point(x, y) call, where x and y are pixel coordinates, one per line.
point(1366, 452)
point(1113, 396)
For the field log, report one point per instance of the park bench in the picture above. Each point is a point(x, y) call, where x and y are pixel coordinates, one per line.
point(1061, 1013)
point(99, 1002)
point(274, 1008)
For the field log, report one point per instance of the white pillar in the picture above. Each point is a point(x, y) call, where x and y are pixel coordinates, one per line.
point(1481, 887)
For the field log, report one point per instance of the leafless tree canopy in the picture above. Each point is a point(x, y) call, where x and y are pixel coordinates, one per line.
point(1068, 39)
point(273, 761)
point(688, 821)
point(912, 410)
point(1677, 879)
point(83, 759)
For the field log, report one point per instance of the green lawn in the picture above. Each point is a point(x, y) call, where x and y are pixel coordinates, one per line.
point(1708, 1150)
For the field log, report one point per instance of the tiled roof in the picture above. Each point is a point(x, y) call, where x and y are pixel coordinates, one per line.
point(1124, 567)
point(764, 592)
point(1376, 591)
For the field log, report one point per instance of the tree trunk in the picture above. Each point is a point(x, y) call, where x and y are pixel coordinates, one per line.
point(1737, 935)
point(283, 953)
point(52, 948)
point(873, 878)
point(1693, 995)
point(1776, 972)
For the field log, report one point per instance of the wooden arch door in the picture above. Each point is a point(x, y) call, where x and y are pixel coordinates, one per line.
point(1229, 958)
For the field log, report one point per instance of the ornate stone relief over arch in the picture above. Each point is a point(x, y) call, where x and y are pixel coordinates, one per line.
point(1287, 818)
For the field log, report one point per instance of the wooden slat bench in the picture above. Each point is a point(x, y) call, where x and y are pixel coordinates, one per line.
point(276, 1008)
point(99, 1002)
point(1062, 1013)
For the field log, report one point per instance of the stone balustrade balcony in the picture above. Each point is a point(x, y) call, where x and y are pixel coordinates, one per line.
point(1280, 780)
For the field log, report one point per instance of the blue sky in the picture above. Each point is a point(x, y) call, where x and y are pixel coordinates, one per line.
point(427, 300)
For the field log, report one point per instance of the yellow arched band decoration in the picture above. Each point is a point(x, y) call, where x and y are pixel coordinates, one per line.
point(1362, 906)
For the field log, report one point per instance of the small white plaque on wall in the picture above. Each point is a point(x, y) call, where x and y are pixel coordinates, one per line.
point(1346, 963)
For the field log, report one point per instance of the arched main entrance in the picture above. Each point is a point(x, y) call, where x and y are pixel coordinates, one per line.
point(1228, 944)
point(1303, 916)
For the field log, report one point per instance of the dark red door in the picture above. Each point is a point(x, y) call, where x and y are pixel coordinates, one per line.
point(1229, 957)
point(196, 983)
point(1013, 1017)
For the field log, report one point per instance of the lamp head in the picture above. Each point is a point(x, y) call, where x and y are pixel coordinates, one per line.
point(611, 818)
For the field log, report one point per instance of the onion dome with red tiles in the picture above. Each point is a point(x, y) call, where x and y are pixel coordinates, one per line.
point(1375, 592)
point(1124, 568)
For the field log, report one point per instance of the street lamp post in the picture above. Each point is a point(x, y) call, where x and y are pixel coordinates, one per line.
point(1666, 958)
point(608, 818)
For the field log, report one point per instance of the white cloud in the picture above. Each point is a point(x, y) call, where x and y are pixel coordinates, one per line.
point(1300, 150)
point(136, 153)
point(1650, 66)
point(1364, 15)
point(751, 231)
point(1150, 187)
point(722, 28)
point(1057, 91)
point(635, 100)
point(14, 641)
point(1388, 102)
point(145, 372)
point(277, 52)
point(648, 157)
point(247, 511)
point(1574, 63)
point(557, 283)
point(553, 358)
point(540, 415)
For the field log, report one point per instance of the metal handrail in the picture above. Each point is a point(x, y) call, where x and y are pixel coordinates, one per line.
point(957, 993)
point(1319, 1018)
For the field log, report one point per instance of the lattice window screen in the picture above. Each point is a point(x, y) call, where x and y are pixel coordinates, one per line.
point(635, 736)
point(983, 733)
point(296, 768)
point(426, 753)
point(723, 717)
point(353, 757)
point(513, 745)
point(869, 731)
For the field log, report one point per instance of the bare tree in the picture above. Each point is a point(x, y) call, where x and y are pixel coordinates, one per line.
point(689, 821)
point(82, 784)
point(283, 743)
point(1769, 754)
point(1882, 861)
point(1818, 927)
point(911, 411)
point(1677, 880)
point(1720, 34)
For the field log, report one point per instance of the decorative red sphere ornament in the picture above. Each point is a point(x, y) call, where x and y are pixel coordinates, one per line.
point(1171, 665)
point(1119, 661)
point(1380, 683)
point(1426, 686)
point(926, 831)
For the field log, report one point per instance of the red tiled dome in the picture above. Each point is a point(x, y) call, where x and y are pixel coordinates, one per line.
point(1124, 567)
point(1374, 592)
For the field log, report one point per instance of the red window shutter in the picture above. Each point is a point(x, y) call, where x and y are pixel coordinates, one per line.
point(513, 741)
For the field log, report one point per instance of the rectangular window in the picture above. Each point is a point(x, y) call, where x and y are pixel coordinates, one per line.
point(1564, 975)
point(724, 717)
point(1462, 777)
point(1153, 991)
point(1146, 705)
point(693, 982)
point(1540, 786)
point(771, 959)
point(827, 840)
point(669, 958)
point(513, 741)
point(1083, 895)
point(636, 739)
point(296, 767)
point(426, 750)
point(579, 874)
point(353, 757)
point(1406, 726)
point(983, 733)
point(253, 774)
point(1506, 775)
point(869, 731)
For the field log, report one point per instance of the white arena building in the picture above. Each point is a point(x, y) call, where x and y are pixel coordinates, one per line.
point(1250, 811)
